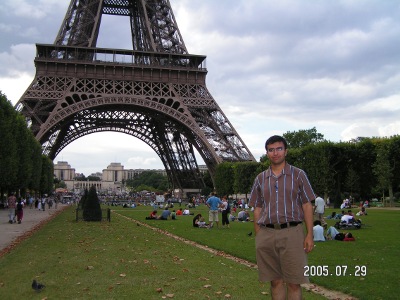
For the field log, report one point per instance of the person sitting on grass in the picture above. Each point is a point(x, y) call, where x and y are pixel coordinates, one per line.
point(202, 223)
point(165, 214)
point(196, 220)
point(332, 216)
point(243, 216)
point(331, 233)
point(318, 232)
point(362, 212)
point(173, 215)
point(153, 215)
point(179, 212)
point(346, 218)
point(348, 237)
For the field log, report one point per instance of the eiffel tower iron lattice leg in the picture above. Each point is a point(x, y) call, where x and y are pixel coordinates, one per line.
point(156, 92)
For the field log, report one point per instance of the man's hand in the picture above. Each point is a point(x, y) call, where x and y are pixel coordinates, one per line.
point(308, 243)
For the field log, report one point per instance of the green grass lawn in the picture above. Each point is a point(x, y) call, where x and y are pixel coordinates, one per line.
point(120, 260)
point(371, 262)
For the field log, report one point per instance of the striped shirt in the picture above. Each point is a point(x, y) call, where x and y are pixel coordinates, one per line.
point(281, 197)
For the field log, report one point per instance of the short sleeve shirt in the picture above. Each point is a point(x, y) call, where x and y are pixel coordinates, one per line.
point(320, 205)
point(281, 197)
point(12, 202)
point(214, 202)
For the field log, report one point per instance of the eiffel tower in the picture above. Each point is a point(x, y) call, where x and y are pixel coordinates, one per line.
point(156, 92)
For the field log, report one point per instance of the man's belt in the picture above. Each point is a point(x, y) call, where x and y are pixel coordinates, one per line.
point(281, 226)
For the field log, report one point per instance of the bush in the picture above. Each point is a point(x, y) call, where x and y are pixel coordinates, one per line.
point(92, 209)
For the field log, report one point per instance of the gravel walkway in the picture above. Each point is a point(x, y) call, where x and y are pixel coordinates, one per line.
point(10, 233)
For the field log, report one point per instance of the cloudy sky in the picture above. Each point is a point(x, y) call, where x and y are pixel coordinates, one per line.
point(273, 66)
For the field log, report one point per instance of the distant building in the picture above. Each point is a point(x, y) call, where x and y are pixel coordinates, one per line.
point(112, 178)
point(63, 171)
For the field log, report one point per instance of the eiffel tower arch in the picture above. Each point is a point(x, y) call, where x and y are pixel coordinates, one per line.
point(155, 92)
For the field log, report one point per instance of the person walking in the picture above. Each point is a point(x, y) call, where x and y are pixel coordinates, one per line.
point(281, 197)
point(20, 211)
point(12, 205)
point(213, 203)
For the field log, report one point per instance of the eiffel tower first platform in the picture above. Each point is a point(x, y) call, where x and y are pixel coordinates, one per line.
point(156, 92)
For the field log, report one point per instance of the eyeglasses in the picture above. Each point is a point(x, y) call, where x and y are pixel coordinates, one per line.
point(277, 149)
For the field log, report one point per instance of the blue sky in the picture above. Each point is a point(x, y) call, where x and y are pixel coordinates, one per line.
point(273, 66)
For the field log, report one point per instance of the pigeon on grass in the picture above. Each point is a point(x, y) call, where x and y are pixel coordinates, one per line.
point(37, 286)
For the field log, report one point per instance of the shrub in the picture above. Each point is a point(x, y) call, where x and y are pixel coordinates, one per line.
point(92, 209)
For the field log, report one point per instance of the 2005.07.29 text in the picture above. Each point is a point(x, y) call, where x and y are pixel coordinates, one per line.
point(342, 270)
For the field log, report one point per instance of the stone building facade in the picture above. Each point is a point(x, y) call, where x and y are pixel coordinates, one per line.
point(112, 178)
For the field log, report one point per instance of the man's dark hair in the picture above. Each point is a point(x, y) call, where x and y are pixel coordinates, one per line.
point(317, 222)
point(274, 139)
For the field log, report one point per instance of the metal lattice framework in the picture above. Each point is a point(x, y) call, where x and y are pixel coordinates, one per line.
point(155, 92)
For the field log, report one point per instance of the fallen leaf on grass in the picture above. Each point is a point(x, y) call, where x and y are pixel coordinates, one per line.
point(89, 268)
point(207, 286)
point(264, 293)
point(159, 290)
point(228, 296)
point(122, 275)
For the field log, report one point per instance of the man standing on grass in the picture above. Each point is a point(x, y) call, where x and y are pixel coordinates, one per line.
point(213, 203)
point(281, 197)
point(319, 209)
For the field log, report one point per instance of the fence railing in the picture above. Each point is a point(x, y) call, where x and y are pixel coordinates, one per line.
point(105, 214)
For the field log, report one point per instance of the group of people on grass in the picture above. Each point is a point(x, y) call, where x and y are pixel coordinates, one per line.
point(331, 233)
point(215, 205)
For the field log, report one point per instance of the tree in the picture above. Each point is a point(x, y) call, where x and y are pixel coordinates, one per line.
point(315, 160)
point(47, 176)
point(25, 163)
point(224, 178)
point(8, 149)
point(208, 184)
point(352, 180)
point(152, 179)
point(383, 168)
point(244, 175)
point(302, 138)
point(92, 208)
point(37, 163)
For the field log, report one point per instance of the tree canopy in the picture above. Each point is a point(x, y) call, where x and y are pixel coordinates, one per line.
point(22, 166)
